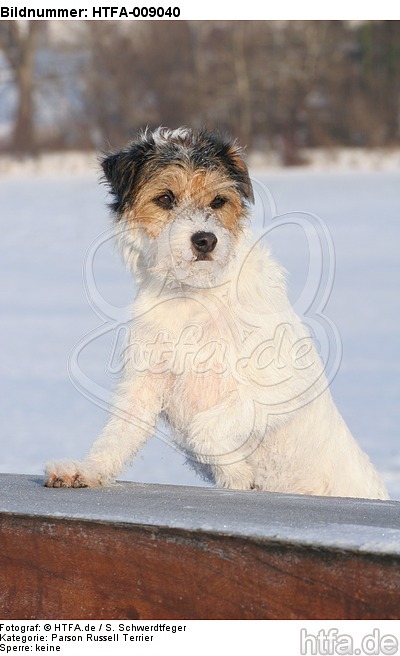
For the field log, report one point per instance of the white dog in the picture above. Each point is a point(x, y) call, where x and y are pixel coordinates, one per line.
point(215, 347)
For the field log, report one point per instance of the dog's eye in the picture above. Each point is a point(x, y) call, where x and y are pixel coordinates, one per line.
point(218, 202)
point(165, 200)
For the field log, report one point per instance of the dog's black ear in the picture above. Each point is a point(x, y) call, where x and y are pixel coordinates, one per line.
point(122, 171)
point(240, 172)
point(111, 165)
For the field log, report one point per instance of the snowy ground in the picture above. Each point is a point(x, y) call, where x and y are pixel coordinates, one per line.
point(51, 217)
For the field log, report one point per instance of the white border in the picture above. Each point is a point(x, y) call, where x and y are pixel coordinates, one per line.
point(233, 10)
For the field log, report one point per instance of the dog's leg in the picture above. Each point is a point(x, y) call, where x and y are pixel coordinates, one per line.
point(135, 411)
point(223, 438)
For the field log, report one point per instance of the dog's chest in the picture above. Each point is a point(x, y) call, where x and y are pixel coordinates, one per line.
point(192, 348)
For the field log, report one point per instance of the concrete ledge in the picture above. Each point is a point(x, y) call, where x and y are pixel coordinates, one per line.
point(170, 552)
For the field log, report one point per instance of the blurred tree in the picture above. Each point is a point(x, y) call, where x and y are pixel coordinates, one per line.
point(273, 84)
point(173, 83)
point(240, 41)
point(139, 76)
point(380, 79)
point(18, 40)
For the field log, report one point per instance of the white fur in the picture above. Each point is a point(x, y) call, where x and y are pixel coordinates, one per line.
point(216, 349)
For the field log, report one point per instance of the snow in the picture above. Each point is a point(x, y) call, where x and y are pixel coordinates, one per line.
point(337, 159)
point(51, 216)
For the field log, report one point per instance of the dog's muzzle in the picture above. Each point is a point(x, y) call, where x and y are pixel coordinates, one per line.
point(203, 242)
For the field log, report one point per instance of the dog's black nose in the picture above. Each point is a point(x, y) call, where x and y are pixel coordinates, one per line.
point(204, 242)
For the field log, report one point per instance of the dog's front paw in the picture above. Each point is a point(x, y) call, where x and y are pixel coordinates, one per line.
point(63, 480)
point(68, 474)
point(237, 476)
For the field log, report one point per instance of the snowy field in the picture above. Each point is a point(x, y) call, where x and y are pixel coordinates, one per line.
point(52, 217)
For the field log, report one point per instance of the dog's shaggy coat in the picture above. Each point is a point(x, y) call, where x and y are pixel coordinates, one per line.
point(215, 347)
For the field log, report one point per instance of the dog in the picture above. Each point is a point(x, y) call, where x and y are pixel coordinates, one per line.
point(215, 348)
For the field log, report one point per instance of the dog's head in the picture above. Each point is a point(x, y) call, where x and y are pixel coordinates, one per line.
point(180, 202)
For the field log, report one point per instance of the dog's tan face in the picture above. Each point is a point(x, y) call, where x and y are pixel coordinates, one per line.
point(176, 192)
point(182, 198)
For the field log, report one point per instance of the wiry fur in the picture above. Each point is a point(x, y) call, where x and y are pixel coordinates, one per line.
point(215, 347)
